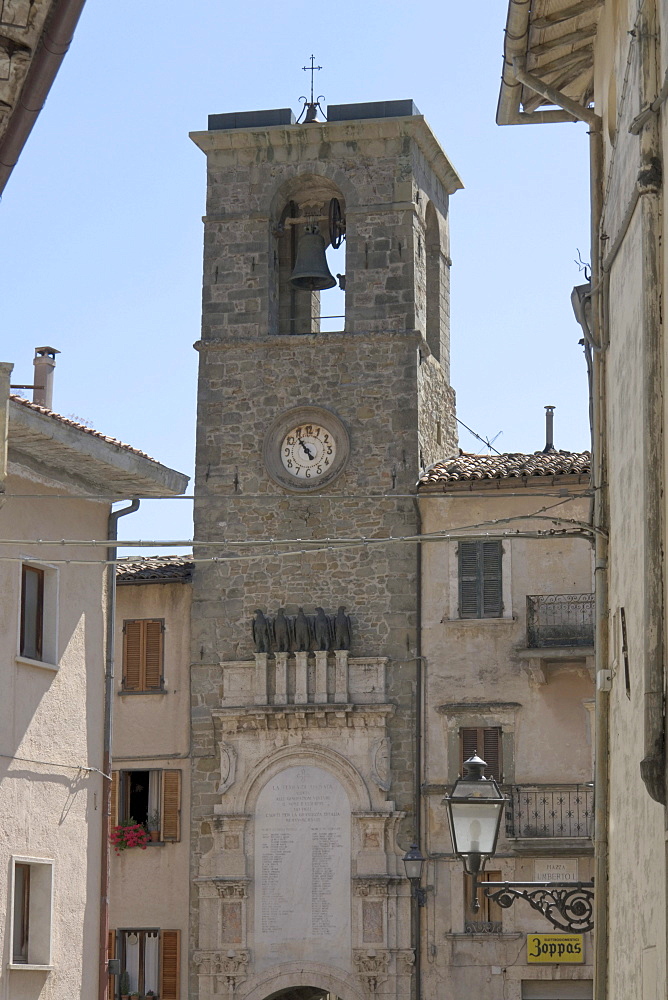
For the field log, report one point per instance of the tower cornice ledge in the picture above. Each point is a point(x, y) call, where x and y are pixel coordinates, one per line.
point(281, 341)
point(298, 139)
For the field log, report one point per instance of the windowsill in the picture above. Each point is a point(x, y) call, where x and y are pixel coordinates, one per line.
point(30, 968)
point(132, 693)
point(479, 621)
point(26, 661)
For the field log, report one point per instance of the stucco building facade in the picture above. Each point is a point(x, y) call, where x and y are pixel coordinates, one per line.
point(54, 617)
point(605, 64)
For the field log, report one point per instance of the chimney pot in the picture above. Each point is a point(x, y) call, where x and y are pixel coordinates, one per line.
point(44, 362)
point(549, 429)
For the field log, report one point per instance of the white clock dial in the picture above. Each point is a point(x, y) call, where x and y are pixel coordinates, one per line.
point(308, 451)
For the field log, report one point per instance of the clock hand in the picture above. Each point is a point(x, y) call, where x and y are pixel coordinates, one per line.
point(308, 451)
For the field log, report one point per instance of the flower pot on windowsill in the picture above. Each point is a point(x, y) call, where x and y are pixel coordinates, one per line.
point(155, 837)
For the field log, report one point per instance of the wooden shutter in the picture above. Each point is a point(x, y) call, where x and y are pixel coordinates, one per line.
point(492, 595)
point(486, 742)
point(132, 655)
point(480, 580)
point(142, 654)
point(113, 814)
point(153, 655)
point(489, 910)
point(171, 805)
point(468, 580)
point(169, 965)
point(111, 953)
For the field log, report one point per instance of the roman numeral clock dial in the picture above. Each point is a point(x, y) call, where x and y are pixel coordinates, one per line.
point(306, 448)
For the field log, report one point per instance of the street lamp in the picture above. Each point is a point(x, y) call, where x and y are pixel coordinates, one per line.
point(414, 863)
point(475, 808)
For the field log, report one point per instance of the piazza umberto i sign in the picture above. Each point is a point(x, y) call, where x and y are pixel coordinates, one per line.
point(555, 948)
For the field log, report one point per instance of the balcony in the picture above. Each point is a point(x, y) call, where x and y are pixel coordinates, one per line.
point(550, 811)
point(560, 620)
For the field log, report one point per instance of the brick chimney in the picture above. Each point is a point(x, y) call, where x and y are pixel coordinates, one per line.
point(44, 362)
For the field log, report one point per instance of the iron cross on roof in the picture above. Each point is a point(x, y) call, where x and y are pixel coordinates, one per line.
point(311, 107)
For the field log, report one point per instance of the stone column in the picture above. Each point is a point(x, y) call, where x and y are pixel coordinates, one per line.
point(321, 676)
point(261, 688)
point(301, 678)
point(281, 696)
point(341, 676)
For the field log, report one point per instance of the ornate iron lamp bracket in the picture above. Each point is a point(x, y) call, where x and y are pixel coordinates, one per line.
point(569, 906)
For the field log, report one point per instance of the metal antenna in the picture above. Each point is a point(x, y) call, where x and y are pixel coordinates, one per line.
point(311, 107)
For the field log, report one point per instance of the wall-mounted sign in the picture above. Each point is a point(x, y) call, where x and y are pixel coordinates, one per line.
point(555, 948)
point(555, 870)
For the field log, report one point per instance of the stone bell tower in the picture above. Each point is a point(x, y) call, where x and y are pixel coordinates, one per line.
point(305, 623)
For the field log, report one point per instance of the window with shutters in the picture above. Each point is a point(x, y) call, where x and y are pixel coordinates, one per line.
point(486, 742)
point(143, 650)
point(151, 959)
point(486, 920)
point(151, 797)
point(480, 579)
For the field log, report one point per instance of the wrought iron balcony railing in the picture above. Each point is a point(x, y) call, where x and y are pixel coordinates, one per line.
point(550, 811)
point(560, 620)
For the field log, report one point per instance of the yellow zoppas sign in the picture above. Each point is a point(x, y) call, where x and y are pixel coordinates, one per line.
point(555, 948)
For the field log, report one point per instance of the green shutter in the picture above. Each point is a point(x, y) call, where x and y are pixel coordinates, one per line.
point(492, 594)
point(480, 580)
point(468, 580)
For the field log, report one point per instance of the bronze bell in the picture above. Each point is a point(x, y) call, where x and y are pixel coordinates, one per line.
point(311, 272)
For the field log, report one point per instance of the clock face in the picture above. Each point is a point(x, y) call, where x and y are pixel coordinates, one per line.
point(306, 448)
point(308, 451)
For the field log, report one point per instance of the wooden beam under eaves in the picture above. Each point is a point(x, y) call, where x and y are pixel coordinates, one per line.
point(557, 16)
point(563, 61)
point(562, 83)
point(570, 39)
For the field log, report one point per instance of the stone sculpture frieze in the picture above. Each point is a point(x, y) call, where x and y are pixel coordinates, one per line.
point(301, 633)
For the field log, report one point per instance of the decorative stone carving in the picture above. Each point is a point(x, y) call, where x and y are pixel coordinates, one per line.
point(405, 962)
point(301, 633)
point(231, 968)
point(380, 763)
point(370, 887)
point(228, 767)
point(342, 629)
point(231, 889)
point(261, 632)
point(371, 967)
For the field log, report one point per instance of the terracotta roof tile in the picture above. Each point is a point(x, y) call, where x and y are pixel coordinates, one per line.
point(79, 427)
point(468, 468)
point(155, 569)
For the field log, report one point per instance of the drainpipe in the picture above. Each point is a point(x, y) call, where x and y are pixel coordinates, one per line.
point(652, 766)
point(6, 369)
point(112, 534)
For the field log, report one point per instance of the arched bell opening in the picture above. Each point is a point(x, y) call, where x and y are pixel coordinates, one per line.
point(310, 259)
point(435, 293)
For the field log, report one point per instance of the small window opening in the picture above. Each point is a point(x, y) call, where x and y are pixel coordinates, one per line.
point(21, 912)
point(32, 612)
point(137, 788)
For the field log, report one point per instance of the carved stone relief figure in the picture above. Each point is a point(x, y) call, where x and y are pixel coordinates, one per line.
point(228, 767)
point(380, 763)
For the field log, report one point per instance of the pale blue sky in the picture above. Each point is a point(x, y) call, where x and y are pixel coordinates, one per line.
point(101, 220)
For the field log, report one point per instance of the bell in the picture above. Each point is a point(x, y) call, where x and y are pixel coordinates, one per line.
point(311, 272)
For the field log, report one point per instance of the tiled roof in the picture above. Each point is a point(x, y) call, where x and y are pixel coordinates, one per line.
point(78, 426)
point(468, 468)
point(155, 569)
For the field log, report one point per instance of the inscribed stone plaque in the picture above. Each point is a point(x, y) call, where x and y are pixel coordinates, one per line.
point(230, 923)
point(302, 869)
point(372, 922)
point(556, 870)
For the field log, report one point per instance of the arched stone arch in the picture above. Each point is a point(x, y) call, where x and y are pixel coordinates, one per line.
point(304, 196)
point(324, 757)
point(294, 975)
point(436, 293)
